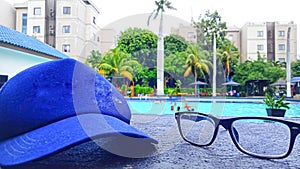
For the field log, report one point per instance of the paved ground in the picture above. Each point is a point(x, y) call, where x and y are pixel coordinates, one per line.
point(171, 152)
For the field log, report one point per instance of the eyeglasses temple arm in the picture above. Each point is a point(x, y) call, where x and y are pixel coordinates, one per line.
point(236, 134)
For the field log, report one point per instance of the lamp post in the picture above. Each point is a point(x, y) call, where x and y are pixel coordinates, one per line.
point(160, 59)
point(214, 66)
point(288, 65)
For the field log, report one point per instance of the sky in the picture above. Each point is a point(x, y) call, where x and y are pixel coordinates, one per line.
point(233, 12)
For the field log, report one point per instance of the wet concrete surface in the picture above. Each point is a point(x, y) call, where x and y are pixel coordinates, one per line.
point(171, 152)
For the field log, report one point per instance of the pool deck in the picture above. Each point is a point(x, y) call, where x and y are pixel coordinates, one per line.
point(170, 153)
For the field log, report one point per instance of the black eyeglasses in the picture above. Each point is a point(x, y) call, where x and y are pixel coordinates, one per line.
point(262, 137)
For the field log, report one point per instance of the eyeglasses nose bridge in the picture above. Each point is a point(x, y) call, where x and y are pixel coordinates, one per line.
point(226, 123)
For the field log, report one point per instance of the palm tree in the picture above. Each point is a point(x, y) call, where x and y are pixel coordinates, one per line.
point(196, 63)
point(227, 55)
point(160, 8)
point(118, 63)
point(94, 59)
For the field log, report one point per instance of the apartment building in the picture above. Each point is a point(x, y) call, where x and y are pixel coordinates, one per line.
point(233, 34)
point(67, 25)
point(270, 39)
point(188, 32)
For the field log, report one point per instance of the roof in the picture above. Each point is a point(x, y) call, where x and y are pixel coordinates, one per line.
point(15, 38)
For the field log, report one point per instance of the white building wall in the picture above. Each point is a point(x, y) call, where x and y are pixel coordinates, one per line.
point(233, 34)
point(7, 14)
point(92, 31)
point(282, 40)
point(188, 32)
point(36, 20)
point(244, 44)
point(251, 40)
point(16, 61)
point(21, 9)
point(108, 40)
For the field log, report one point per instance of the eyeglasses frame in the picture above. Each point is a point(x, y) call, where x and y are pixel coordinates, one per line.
point(227, 124)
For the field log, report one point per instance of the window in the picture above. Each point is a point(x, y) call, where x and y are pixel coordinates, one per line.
point(270, 34)
point(51, 30)
point(281, 60)
point(36, 29)
point(24, 23)
point(67, 10)
point(94, 36)
point(94, 20)
point(66, 48)
point(191, 35)
point(260, 47)
point(37, 11)
point(281, 33)
point(260, 33)
point(281, 47)
point(66, 29)
point(230, 37)
point(52, 12)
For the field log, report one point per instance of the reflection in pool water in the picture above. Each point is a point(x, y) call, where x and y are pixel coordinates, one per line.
point(219, 109)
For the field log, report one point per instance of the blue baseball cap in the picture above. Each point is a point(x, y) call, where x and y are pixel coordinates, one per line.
point(58, 104)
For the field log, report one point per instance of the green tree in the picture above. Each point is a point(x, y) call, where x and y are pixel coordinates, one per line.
point(259, 69)
point(140, 43)
point(229, 56)
point(174, 67)
point(161, 5)
point(118, 63)
point(174, 43)
point(295, 68)
point(174, 63)
point(207, 26)
point(146, 77)
point(94, 59)
point(196, 62)
point(279, 64)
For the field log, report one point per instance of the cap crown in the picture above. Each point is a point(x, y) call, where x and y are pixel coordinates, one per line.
point(53, 91)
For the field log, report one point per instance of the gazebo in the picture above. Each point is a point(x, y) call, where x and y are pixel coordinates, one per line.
point(256, 87)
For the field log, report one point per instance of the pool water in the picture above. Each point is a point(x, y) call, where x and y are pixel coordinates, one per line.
point(219, 109)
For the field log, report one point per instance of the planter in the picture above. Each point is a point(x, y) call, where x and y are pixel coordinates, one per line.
point(276, 112)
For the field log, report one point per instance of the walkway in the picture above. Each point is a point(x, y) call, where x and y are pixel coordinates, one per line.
point(171, 152)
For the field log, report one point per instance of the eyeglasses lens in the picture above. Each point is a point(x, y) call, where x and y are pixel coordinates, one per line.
point(196, 128)
point(262, 137)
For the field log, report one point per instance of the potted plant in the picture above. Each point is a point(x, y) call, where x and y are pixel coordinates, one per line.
point(275, 105)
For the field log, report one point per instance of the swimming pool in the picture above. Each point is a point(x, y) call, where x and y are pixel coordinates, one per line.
point(219, 108)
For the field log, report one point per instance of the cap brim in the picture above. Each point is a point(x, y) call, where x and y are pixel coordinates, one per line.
point(63, 134)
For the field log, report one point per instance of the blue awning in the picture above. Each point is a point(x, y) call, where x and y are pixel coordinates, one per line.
point(295, 79)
